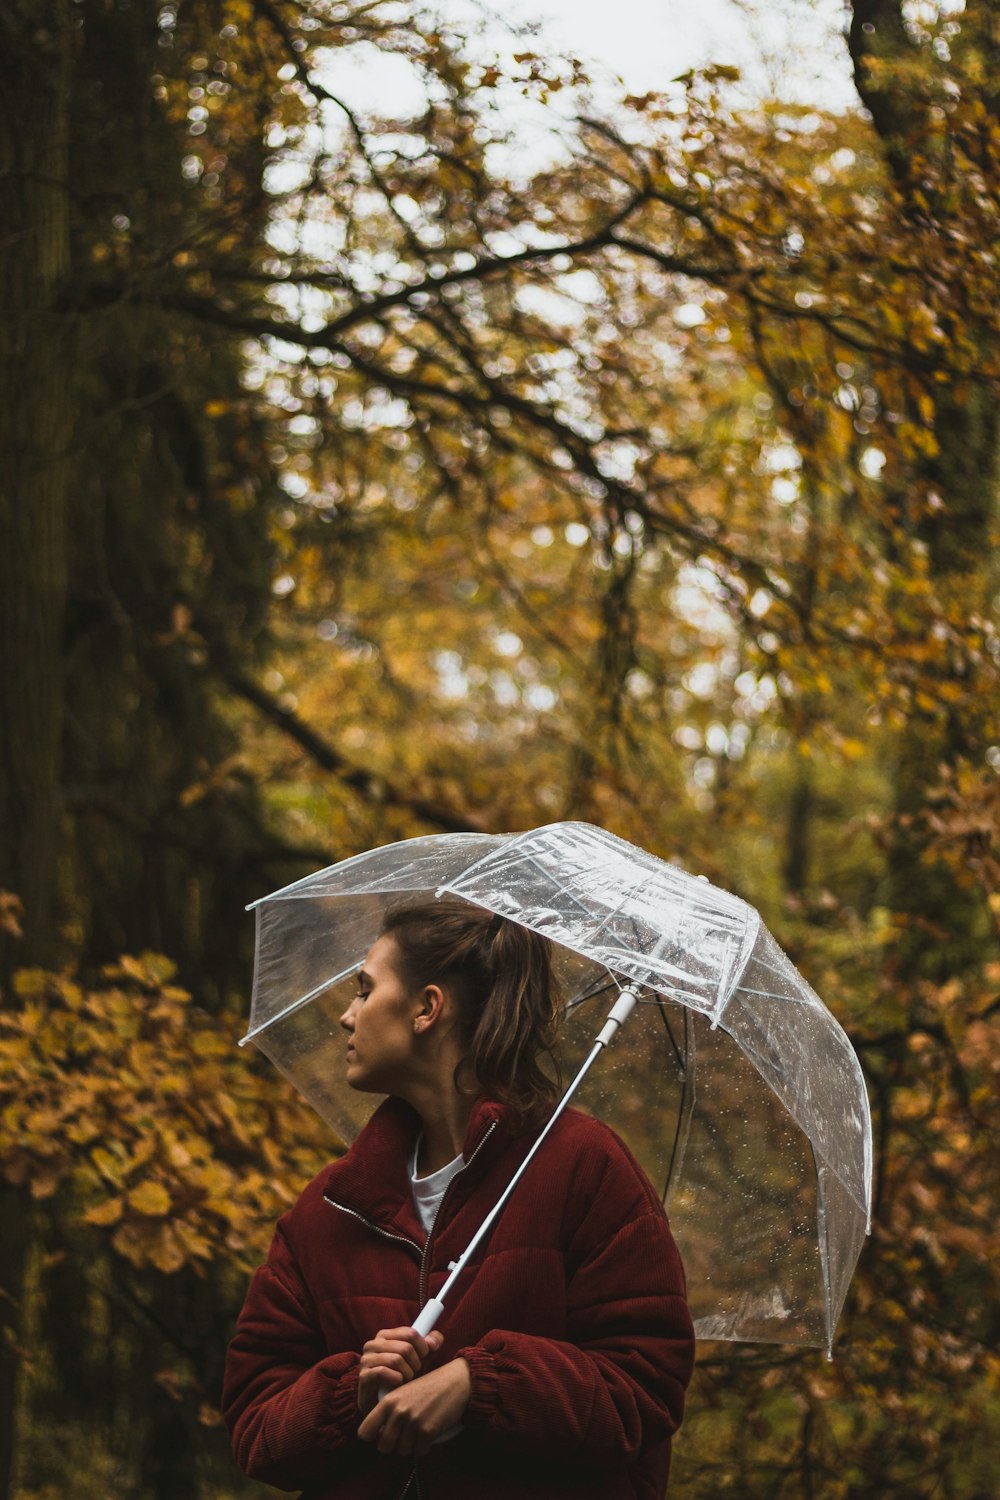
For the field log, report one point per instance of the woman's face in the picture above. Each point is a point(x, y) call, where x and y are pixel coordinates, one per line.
point(381, 1025)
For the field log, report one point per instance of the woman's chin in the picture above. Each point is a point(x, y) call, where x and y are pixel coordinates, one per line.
point(356, 1079)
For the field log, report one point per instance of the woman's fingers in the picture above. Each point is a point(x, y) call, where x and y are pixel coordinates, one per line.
point(380, 1372)
point(410, 1420)
point(413, 1347)
point(394, 1431)
point(393, 1357)
point(400, 1357)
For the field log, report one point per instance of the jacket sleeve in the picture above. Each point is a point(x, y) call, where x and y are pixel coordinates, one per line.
point(287, 1404)
point(616, 1385)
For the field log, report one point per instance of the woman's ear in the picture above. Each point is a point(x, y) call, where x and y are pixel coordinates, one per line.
point(431, 1008)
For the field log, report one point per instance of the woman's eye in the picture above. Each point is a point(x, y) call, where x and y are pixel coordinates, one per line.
point(362, 995)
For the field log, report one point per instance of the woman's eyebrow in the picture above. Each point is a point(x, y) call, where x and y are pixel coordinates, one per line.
point(363, 977)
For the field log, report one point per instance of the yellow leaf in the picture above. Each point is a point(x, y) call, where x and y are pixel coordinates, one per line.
point(28, 982)
point(109, 1166)
point(44, 1183)
point(165, 1252)
point(130, 1241)
point(108, 1212)
point(150, 1198)
point(178, 1155)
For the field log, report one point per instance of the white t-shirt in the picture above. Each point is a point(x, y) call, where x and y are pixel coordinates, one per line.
point(428, 1191)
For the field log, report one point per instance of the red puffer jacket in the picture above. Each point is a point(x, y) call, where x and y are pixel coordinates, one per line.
point(572, 1318)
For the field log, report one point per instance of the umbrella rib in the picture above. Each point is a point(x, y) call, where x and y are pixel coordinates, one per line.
point(823, 1230)
point(592, 994)
point(453, 885)
point(302, 1000)
point(626, 896)
point(287, 891)
point(684, 1109)
point(670, 1033)
point(536, 863)
point(673, 992)
point(763, 994)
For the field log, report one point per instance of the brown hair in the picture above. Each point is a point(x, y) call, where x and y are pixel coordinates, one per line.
point(500, 975)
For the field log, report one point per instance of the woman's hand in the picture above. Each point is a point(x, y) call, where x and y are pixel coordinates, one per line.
point(410, 1420)
point(391, 1358)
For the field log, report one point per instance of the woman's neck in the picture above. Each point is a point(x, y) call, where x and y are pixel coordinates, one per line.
point(444, 1109)
point(446, 1124)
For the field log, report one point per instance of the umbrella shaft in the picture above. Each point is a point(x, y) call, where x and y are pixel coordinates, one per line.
point(619, 1013)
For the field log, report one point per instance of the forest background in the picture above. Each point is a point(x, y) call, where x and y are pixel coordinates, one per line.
point(359, 480)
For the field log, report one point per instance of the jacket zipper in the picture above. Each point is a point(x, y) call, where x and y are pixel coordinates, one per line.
point(414, 1478)
point(387, 1234)
point(425, 1256)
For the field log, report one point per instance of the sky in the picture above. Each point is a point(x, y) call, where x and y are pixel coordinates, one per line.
point(791, 48)
point(648, 42)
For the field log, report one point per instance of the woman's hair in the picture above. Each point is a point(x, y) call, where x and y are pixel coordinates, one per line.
point(506, 995)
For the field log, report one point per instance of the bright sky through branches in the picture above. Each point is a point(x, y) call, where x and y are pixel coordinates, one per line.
point(792, 45)
point(792, 49)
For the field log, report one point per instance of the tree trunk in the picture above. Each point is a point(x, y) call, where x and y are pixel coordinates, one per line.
point(36, 421)
point(942, 927)
point(945, 925)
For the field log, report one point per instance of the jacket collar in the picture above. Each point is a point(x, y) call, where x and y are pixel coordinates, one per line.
point(373, 1178)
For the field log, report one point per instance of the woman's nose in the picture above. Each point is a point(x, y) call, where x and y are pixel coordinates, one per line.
point(347, 1019)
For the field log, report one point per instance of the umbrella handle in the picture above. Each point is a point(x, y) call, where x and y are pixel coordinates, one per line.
point(428, 1316)
point(617, 1016)
point(425, 1320)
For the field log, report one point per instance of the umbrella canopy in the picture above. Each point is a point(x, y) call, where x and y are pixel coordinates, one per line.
point(734, 1085)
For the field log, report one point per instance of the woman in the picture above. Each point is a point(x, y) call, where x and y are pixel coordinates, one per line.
point(562, 1358)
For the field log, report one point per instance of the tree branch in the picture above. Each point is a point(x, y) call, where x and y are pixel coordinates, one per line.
point(368, 784)
point(98, 799)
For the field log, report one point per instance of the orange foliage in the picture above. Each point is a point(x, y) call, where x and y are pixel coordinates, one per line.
point(135, 1106)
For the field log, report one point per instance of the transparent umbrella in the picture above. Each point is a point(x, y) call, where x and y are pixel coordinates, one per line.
point(733, 1084)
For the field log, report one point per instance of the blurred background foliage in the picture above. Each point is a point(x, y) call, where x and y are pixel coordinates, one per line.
point(362, 479)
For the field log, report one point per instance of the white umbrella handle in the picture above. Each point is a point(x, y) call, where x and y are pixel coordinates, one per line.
point(427, 1316)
